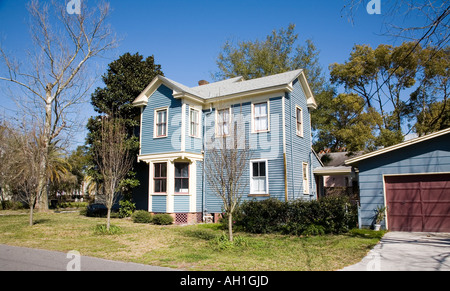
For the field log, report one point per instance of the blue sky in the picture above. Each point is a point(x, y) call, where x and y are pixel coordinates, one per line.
point(186, 36)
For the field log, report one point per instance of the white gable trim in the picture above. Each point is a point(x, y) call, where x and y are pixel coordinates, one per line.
point(310, 100)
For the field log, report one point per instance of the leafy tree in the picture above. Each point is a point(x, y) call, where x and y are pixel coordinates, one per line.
point(434, 118)
point(385, 76)
point(124, 80)
point(429, 104)
point(278, 53)
point(380, 76)
point(345, 126)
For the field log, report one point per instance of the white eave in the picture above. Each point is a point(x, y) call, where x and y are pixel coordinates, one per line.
point(332, 171)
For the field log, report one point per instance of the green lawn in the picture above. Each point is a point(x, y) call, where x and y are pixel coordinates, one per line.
point(195, 247)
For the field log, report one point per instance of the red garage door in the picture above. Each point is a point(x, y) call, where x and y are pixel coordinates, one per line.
point(418, 203)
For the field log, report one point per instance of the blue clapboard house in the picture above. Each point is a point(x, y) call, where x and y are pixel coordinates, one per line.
point(178, 123)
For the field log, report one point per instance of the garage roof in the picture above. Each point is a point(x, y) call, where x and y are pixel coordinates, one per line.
point(354, 161)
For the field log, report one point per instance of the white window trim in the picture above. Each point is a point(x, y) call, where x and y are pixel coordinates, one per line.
point(198, 122)
point(230, 121)
point(267, 177)
point(253, 116)
point(305, 184)
point(299, 133)
point(155, 119)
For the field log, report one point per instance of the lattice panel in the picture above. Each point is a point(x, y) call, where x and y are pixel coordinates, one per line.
point(181, 218)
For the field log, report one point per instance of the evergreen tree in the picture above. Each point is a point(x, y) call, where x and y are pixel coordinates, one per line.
point(124, 80)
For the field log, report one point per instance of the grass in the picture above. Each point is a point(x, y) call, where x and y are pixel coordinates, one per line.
point(195, 247)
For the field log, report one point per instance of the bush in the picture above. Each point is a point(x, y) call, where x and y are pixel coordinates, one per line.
point(126, 208)
point(162, 219)
point(11, 205)
point(333, 214)
point(142, 216)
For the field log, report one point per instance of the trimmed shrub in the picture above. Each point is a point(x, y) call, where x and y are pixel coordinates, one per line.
point(142, 216)
point(332, 214)
point(162, 219)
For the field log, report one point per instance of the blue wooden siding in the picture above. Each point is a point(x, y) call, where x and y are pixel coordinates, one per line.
point(159, 204)
point(172, 143)
point(181, 203)
point(199, 190)
point(298, 149)
point(431, 156)
point(264, 145)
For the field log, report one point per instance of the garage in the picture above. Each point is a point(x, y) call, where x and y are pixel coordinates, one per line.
point(412, 179)
point(418, 202)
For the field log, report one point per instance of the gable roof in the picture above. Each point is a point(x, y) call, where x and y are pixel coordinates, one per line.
point(407, 143)
point(230, 88)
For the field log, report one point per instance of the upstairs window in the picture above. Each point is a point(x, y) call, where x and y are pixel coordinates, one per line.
point(299, 120)
point(223, 122)
point(161, 117)
point(194, 117)
point(261, 117)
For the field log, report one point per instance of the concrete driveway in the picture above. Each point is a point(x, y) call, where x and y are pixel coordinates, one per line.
point(26, 259)
point(408, 251)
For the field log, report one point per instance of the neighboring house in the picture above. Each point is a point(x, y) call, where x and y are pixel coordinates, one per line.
point(338, 178)
point(178, 123)
point(412, 179)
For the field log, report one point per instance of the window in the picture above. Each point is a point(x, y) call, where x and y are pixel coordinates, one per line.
point(181, 177)
point(161, 122)
point(160, 177)
point(305, 178)
point(260, 117)
point(223, 122)
point(258, 174)
point(194, 117)
point(299, 119)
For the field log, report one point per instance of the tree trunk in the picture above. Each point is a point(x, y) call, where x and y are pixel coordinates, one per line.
point(31, 214)
point(43, 197)
point(230, 226)
point(108, 219)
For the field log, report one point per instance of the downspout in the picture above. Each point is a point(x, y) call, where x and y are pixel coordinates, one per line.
point(311, 167)
point(204, 162)
point(284, 149)
point(292, 147)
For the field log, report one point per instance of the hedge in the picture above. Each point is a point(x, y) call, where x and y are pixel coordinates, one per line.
point(333, 214)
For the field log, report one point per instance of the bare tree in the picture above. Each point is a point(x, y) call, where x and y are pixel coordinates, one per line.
point(54, 76)
point(226, 161)
point(113, 156)
point(431, 18)
point(21, 151)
